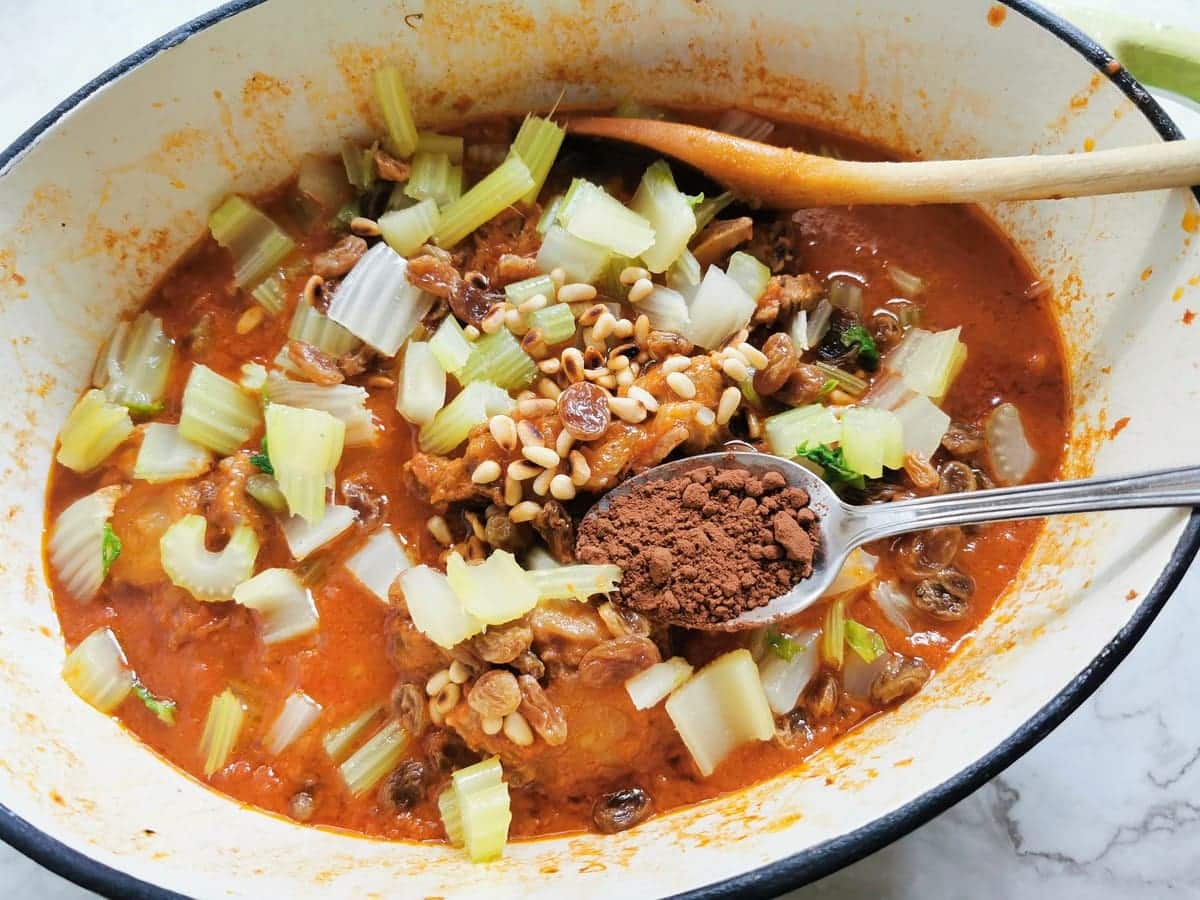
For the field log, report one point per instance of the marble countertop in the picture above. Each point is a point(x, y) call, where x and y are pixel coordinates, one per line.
point(1108, 806)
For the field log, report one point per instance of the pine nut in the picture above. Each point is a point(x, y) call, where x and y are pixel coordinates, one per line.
point(558, 275)
point(604, 326)
point(534, 407)
point(522, 470)
point(562, 488)
point(754, 426)
point(730, 353)
point(617, 362)
point(541, 456)
point(572, 364)
point(512, 491)
point(512, 318)
point(563, 443)
point(627, 410)
point(735, 370)
point(589, 316)
point(525, 511)
point(705, 416)
point(471, 333)
point(580, 470)
point(548, 389)
point(681, 385)
point(609, 382)
point(440, 530)
point(675, 363)
point(476, 524)
point(504, 430)
point(731, 398)
point(381, 381)
point(364, 227)
point(491, 725)
point(517, 729)
point(641, 330)
point(494, 320)
point(533, 304)
point(486, 472)
point(753, 355)
point(437, 681)
point(250, 319)
point(541, 484)
point(529, 435)
point(644, 397)
point(459, 673)
point(311, 287)
point(623, 330)
point(551, 366)
point(447, 698)
point(632, 274)
point(625, 378)
point(641, 289)
point(577, 292)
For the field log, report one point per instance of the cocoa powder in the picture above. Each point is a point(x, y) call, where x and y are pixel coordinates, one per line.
point(704, 547)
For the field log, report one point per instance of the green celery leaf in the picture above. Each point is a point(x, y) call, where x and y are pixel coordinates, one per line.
point(162, 708)
point(864, 641)
point(832, 461)
point(857, 336)
point(110, 548)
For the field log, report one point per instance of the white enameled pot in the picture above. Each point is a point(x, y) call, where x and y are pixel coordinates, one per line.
point(100, 196)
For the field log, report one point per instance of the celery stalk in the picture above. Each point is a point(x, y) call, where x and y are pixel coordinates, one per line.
point(258, 245)
point(76, 545)
point(537, 143)
point(300, 712)
point(500, 189)
point(449, 346)
point(207, 576)
point(337, 741)
point(668, 212)
point(306, 446)
point(871, 439)
point(592, 214)
point(549, 214)
point(284, 605)
point(475, 810)
point(474, 405)
point(359, 164)
point(434, 178)
point(374, 759)
point(397, 112)
point(217, 413)
point(709, 209)
point(450, 144)
point(555, 322)
point(520, 291)
point(316, 328)
point(342, 401)
point(405, 230)
point(94, 429)
point(498, 358)
point(833, 635)
point(98, 672)
point(221, 729)
point(812, 425)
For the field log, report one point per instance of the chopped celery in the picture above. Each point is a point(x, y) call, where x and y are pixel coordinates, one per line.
point(205, 575)
point(436, 610)
point(166, 456)
point(300, 712)
point(405, 230)
point(136, 363)
point(1008, 447)
point(94, 429)
point(474, 405)
point(578, 582)
point(217, 413)
point(549, 215)
point(359, 163)
point(537, 143)
point(450, 144)
point(871, 439)
point(503, 187)
point(397, 112)
point(928, 361)
point(798, 330)
point(306, 446)
point(494, 592)
point(97, 671)
point(668, 212)
point(866, 642)
point(110, 549)
point(858, 570)
point(833, 634)
point(76, 545)
point(651, 686)
point(812, 425)
point(817, 323)
point(316, 328)
point(254, 377)
point(581, 260)
point(520, 291)
point(475, 810)
point(422, 389)
point(721, 707)
point(498, 358)
point(434, 178)
point(162, 708)
point(284, 605)
point(907, 283)
point(846, 293)
point(338, 741)
point(923, 425)
point(221, 730)
point(718, 308)
point(784, 678)
point(847, 381)
point(323, 181)
point(379, 562)
point(684, 273)
point(592, 214)
point(709, 209)
point(538, 559)
point(666, 309)
point(609, 283)
point(265, 490)
point(342, 401)
point(449, 346)
point(304, 538)
point(747, 271)
point(556, 323)
point(258, 245)
point(374, 759)
point(377, 303)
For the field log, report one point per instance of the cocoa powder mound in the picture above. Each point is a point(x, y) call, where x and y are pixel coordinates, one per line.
point(704, 547)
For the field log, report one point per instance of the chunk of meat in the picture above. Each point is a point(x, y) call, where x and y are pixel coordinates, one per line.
point(511, 267)
point(314, 364)
point(557, 530)
point(230, 505)
point(775, 243)
point(513, 233)
point(439, 480)
point(786, 294)
point(564, 631)
point(361, 495)
point(340, 258)
point(389, 168)
point(414, 656)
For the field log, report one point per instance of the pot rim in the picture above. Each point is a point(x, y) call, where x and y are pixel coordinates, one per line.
point(805, 866)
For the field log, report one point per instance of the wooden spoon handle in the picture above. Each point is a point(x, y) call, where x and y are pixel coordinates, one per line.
point(789, 179)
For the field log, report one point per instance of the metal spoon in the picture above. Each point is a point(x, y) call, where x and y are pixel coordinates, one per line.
point(845, 527)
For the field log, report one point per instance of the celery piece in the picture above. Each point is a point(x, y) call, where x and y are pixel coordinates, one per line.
point(436, 610)
point(342, 401)
point(166, 456)
point(397, 112)
point(422, 389)
point(162, 708)
point(666, 309)
point(475, 810)
point(609, 283)
point(721, 707)
point(858, 569)
point(929, 361)
point(265, 490)
point(435, 178)
point(359, 163)
point(221, 730)
point(549, 215)
point(450, 144)
point(284, 605)
point(866, 642)
point(846, 293)
point(136, 363)
point(520, 291)
point(923, 425)
point(206, 575)
point(98, 672)
point(377, 303)
point(337, 741)
point(323, 181)
point(500, 189)
point(94, 429)
point(449, 346)
point(651, 686)
point(379, 562)
point(300, 712)
point(576, 582)
point(76, 545)
point(494, 592)
point(707, 210)
point(217, 413)
point(313, 327)
point(581, 260)
point(747, 271)
point(871, 439)
point(474, 405)
point(306, 446)
point(556, 323)
point(847, 381)
point(592, 214)
point(833, 634)
point(907, 283)
point(537, 143)
point(1008, 447)
point(498, 358)
point(812, 425)
point(374, 759)
point(405, 230)
point(254, 377)
point(684, 273)
point(668, 212)
point(258, 245)
point(272, 293)
point(718, 308)
point(305, 538)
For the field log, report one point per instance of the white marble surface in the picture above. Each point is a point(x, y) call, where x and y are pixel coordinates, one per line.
point(1107, 807)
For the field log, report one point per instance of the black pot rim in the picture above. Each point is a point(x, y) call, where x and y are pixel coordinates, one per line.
point(816, 862)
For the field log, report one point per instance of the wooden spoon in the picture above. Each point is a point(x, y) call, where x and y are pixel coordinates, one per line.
point(789, 179)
